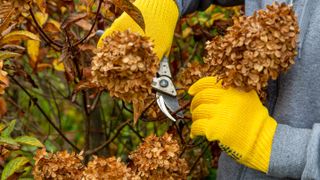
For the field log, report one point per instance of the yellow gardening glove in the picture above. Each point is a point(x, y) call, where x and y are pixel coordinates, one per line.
point(160, 17)
point(236, 119)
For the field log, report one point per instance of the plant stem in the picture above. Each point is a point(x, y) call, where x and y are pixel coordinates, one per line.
point(35, 101)
point(198, 158)
point(42, 33)
point(106, 143)
point(92, 27)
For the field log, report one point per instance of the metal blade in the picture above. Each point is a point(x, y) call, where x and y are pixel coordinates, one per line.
point(172, 103)
point(163, 108)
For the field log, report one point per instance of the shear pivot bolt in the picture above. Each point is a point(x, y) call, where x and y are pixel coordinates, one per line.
point(164, 83)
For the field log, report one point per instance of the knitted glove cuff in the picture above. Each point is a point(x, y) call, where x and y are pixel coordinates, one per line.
point(259, 158)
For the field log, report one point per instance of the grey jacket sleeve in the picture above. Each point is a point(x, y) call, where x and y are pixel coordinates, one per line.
point(189, 6)
point(296, 153)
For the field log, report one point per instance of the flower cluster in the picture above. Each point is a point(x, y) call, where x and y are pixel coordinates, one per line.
point(60, 165)
point(155, 158)
point(125, 65)
point(158, 158)
point(255, 49)
point(190, 74)
point(107, 168)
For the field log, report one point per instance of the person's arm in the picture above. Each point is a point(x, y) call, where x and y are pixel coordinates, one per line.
point(189, 6)
point(295, 153)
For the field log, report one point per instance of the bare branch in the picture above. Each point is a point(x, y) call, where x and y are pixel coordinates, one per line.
point(92, 27)
point(42, 33)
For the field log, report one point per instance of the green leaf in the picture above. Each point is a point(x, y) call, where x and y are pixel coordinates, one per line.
point(8, 140)
point(27, 171)
point(13, 166)
point(50, 147)
point(28, 140)
point(9, 129)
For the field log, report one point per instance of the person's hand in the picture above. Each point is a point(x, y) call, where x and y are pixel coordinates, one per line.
point(234, 118)
point(160, 17)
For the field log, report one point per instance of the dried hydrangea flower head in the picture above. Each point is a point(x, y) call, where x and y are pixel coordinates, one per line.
point(125, 65)
point(61, 165)
point(158, 158)
point(190, 74)
point(107, 168)
point(255, 49)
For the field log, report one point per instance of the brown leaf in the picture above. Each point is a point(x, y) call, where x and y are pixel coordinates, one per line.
point(42, 5)
point(138, 108)
point(84, 85)
point(3, 107)
point(72, 19)
point(131, 10)
point(6, 18)
point(84, 24)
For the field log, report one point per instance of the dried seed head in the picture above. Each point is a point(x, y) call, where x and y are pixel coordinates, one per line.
point(60, 165)
point(107, 168)
point(158, 158)
point(255, 49)
point(125, 65)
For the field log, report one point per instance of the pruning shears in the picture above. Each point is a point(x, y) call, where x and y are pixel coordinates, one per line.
point(166, 93)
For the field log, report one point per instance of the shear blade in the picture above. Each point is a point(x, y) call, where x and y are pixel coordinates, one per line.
point(163, 107)
point(172, 104)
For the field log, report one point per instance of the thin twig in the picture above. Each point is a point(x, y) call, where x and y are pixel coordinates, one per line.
point(181, 108)
point(190, 146)
point(136, 132)
point(34, 100)
point(88, 120)
point(177, 111)
point(106, 143)
point(92, 27)
point(193, 53)
point(57, 106)
point(45, 36)
point(95, 102)
point(198, 158)
point(126, 108)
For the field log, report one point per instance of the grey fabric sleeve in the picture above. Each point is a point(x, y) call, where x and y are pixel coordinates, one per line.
point(295, 153)
point(189, 6)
